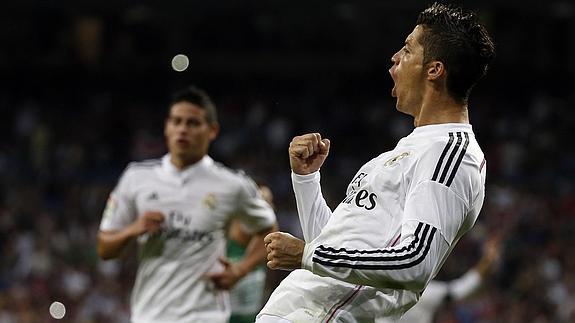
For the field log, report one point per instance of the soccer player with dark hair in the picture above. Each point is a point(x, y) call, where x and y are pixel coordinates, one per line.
point(178, 208)
point(405, 210)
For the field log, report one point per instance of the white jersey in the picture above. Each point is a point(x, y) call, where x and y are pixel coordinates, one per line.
point(403, 214)
point(198, 203)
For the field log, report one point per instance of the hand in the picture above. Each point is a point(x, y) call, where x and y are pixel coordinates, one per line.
point(492, 250)
point(227, 278)
point(149, 222)
point(307, 153)
point(491, 254)
point(284, 251)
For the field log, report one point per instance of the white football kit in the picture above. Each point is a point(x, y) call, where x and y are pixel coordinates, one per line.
point(403, 213)
point(198, 203)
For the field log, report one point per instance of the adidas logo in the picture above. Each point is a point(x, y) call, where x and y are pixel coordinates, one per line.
point(153, 197)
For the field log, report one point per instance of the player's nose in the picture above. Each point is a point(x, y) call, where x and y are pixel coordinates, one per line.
point(395, 58)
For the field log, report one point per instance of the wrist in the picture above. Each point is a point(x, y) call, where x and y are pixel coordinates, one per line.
point(306, 256)
point(132, 231)
point(241, 269)
point(307, 178)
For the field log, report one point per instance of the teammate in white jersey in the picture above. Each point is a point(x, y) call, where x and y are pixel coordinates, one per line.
point(178, 208)
point(372, 257)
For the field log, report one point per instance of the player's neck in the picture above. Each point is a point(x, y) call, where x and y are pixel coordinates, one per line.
point(182, 162)
point(441, 109)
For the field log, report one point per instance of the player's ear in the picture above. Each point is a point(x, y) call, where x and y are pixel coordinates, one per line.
point(435, 70)
point(214, 130)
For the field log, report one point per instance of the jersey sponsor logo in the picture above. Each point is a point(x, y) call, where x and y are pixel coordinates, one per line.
point(353, 187)
point(449, 167)
point(177, 219)
point(362, 198)
point(178, 227)
point(394, 160)
point(365, 199)
point(356, 181)
point(203, 237)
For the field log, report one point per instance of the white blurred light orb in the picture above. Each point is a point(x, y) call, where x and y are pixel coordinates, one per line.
point(180, 62)
point(57, 310)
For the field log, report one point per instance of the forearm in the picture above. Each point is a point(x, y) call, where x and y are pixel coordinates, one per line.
point(312, 208)
point(409, 265)
point(465, 285)
point(255, 251)
point(111, 243)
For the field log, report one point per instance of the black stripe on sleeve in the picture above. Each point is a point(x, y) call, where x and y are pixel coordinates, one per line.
point(417, 240)
point(352, 251)
point(380, 266)
point(450, 159)
point(440, 162)
point(458, 162)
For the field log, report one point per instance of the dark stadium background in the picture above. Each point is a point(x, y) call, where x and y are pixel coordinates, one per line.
point(84, 89)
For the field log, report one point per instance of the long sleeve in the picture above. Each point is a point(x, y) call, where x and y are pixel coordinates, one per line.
point(312, 209)
point(408, 265)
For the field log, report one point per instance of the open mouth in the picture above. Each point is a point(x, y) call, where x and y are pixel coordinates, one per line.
point(392, 73)
point(183, 142)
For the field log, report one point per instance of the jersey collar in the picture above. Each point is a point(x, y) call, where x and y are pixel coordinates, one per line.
point(186, 173)
point(440, 128)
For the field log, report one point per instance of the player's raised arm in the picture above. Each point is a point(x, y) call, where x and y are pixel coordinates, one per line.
point(307, 154)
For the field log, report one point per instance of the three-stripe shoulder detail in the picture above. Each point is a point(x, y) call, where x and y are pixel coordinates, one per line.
point(150, 163)
point(445, 170)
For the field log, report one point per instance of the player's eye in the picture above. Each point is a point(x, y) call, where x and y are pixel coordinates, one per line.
point(194, 123)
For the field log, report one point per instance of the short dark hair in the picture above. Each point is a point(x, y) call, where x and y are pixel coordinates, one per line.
point(199, 97)
point(457, 39)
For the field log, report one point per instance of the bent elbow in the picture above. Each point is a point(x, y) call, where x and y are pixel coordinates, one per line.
point(103, 254)
point(103, 250)
point(417, 278)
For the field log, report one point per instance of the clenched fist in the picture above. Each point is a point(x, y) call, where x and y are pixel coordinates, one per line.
point(284, 251)
point(307, 153)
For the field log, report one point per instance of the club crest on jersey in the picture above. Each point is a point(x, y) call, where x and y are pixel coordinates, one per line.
point(395, 159)
point(210, 201)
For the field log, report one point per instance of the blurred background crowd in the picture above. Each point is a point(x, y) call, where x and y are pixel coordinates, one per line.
point(85, 90)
